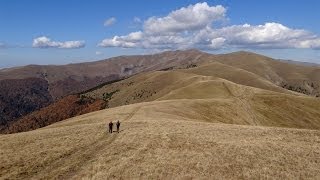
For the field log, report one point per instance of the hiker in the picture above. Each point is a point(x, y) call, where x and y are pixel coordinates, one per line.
point(118, 126)
point(110, 127)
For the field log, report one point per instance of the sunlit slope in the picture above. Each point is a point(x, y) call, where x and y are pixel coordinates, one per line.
point(304, 79)
point(154, 85)
point(208, 98)
point(160, 139)
point(145, 87)
point(262, 109)
point(236, 75)
point(267, 67)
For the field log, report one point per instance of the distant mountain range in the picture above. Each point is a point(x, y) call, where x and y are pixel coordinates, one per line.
point(63, 80)
point(32, 96)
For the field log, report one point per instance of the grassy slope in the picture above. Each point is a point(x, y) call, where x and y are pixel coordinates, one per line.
point(236, 75)
point(150, 86)
point(223, 101)
point(300, 77)
point(155, 143)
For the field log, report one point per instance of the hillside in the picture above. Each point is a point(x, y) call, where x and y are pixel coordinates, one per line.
point(299, 78)
point(62, 80)
point(20, 97)
point(64, 108)
point(240, 104)
point(201, 82)
point(236, 75)
point(158, 140)
point(73, 78)
point(242, 68)
point(150, 86)
point(217, 100)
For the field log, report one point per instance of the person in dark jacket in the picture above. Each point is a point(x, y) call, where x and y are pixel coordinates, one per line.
point(118, 126)
point(110, 127)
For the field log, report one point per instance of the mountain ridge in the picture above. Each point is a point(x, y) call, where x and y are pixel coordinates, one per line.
point(256, 94)
point(241, 67)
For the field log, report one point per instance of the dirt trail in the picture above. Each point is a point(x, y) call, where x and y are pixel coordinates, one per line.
point(132, 113)
point(87, 153)
point(173, 148)
point(74, 160)
point(243, 99)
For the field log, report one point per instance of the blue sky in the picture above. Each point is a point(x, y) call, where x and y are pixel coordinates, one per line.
point(61, 32)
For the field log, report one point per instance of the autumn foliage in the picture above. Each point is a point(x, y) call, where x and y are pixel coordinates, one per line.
point(70, 106)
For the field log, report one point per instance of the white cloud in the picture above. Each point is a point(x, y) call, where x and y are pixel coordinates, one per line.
point(129, 41)
point(192, 27)
point(134, 36)
point(310, 43)
point(193, 17)
point(269, 35)
point(217, 43)
point(45, 42)
point(109, 21)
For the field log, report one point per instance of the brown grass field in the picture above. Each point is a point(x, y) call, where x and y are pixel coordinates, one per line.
point(156, 144)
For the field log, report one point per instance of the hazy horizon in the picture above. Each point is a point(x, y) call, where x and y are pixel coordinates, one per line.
point(150, 53)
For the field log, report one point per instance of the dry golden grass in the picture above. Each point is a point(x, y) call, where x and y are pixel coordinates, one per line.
point(223, 101)
point(269, 68)
point(236, 75)
point(154, 85)
point(305, 77)
point(155, 143)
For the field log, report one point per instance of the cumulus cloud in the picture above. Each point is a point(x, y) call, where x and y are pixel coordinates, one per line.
point(129, 41)
point(193, 27)
point(109, 21)
point(45, 42)
point(193, 17)
point(217, 43)
point(313, 43)
point(269, 35)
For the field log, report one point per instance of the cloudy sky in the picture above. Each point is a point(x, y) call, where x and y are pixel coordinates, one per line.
point(61, 32)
